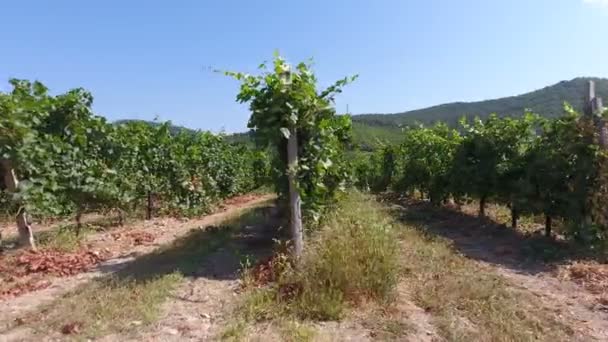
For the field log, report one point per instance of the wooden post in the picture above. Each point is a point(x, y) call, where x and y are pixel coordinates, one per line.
point(149, 206)
point(121, 215)
point(482, 206)
point(514, 216)
point(26, 236)
point(78, 221)
point(295, 220)
point(596, 108)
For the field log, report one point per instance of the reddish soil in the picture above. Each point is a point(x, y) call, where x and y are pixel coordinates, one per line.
point(23, 271)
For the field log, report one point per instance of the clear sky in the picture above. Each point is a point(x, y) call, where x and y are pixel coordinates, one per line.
point(143, 59)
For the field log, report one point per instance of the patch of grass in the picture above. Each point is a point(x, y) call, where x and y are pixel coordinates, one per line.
point(352, 257)
point(470, 302)
point(501, 214)
point(293, 331)
point(112, 305)
point(134, 295)
point(264, 190)
point(234, 331)
point(396, 327)
point(62, 239)
point(259, 305)
point(360, 253)
point(62, 236)
point(388, 329)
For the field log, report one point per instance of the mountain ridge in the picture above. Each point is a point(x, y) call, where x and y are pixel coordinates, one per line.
point(547, 101)
point(373, 130)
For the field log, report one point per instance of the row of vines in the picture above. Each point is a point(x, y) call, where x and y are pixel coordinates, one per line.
point(533, 165)
point(60, 159)
point(298, 122)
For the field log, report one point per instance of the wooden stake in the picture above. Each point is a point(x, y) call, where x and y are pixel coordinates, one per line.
point(26, 236)
point(596, 108)
point(295, 221)
point(149, 206)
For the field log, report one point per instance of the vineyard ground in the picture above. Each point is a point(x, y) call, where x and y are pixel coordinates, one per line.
point(566, 283)
point(123, 252)
point(463, 279)
point(466, 279)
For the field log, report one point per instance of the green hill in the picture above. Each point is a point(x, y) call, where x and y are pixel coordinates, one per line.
point(173, 129)
point(373, 130)
point(546, 102)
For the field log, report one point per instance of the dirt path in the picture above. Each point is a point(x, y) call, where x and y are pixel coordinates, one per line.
point(568, 300)
point(200, 308)
point(503, 250)
point(164, 230)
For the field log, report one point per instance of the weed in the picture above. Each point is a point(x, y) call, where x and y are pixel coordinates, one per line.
point(111, 305)
point(62, 239)
point(352, 257)
point(293, 331)
point(234, 331)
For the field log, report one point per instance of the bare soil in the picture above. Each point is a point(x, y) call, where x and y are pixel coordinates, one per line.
point(200, 309)
point(121, 247)
point(530, 262)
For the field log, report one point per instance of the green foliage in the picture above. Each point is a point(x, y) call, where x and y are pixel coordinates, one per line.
point(533, 165)
point(365, 168)
point(488, 164)
point(70, 161)
point(426, 156)
point(565, 176)
point(282, 100)
point(364, 137)
point(353, 257)
point(188, 170)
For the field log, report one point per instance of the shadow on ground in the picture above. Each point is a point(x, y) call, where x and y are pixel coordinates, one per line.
point(214, 252)
point(486, 240)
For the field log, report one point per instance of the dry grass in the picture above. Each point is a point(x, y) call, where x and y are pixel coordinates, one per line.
point(112, 305)
point(385, 327)
point(134, 296)
point(353, 257)
point(235, 331)
point(465, 300)
point(294, 331)
point(287, 330)
point(62, 239)
point(591, 275)
point(61, 234)
point(469, 302)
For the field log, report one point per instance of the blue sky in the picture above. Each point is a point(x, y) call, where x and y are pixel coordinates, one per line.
point(143, 59)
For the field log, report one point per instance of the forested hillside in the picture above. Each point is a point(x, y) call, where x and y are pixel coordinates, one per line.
point(371, 131)
point(173, 129)
point(547, 102)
